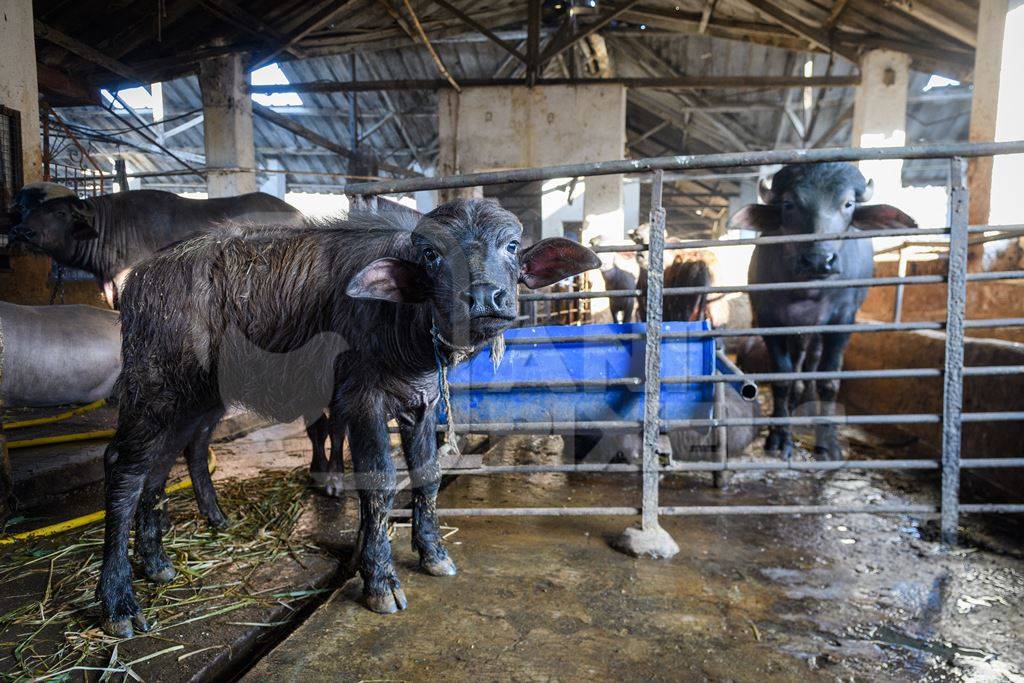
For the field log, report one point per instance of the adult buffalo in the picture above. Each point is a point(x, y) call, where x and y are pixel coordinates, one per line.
point(823, 200)
point(381, 299)
point(107, 235)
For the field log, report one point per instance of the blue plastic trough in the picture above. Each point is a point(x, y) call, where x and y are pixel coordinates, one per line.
point(547, 361)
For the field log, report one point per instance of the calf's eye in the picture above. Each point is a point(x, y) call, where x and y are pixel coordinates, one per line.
point(848, 205)
point(430, 255)
point(513, 247)
point(787, 205)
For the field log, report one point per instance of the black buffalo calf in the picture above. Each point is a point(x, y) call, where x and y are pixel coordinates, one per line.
point(357, 314)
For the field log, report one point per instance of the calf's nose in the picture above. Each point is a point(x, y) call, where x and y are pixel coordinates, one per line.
point(819, 262)
point(485, 299)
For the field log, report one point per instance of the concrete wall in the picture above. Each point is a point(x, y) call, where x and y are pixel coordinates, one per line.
point(485, 129)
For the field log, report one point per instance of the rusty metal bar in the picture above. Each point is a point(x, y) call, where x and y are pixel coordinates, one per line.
point(953, 375)
point(683, 162)
point(652, 356)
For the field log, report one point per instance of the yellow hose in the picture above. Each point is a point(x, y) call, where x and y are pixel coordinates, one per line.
point(94, 516)
point(63, 438)
point(81, 410)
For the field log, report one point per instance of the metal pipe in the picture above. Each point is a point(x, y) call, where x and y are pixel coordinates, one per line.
point(740, 465)
point(780, 286)
point(981, 323)
point(953, 378)
point(748, 389)
point(748, 379)
point(695, 510)
point(652, 356)
point(683, 162)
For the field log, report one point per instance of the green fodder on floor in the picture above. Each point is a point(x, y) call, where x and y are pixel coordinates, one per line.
point(52, 632)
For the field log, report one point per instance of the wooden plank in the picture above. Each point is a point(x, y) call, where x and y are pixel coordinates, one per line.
point(473, 23)
point(89, 54)
point(298, 129)
point(810, 33)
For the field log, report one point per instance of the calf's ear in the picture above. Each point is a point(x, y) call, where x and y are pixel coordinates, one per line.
point(760, 217)
point(553, 259)
point(391, 279)
point(83, 216)
point(881, 217)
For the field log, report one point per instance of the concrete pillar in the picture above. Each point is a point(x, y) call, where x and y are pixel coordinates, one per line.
point(984, 103)
point(880, 117)
point(485, 129)
point(227, 126)
point(19, 89)
point(1006, 207)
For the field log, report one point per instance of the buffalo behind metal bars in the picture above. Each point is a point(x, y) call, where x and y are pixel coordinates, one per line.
point(253, 315)
point(822, 199)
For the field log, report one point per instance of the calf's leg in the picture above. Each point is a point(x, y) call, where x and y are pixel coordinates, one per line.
point(826, 441)
point(317, 433)
point(419, 443)
point(133, 463)
point(334, 485)
point(197, 454)
point(149, 530)
point(125, 470)
point(780, 439)
point(375, 479)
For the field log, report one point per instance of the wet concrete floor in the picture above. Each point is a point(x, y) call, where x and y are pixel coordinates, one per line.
point(852, 597)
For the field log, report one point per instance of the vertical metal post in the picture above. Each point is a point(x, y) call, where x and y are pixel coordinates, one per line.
point(652, 354)
point(720, 479)
point(953, 378)
point(901, 271)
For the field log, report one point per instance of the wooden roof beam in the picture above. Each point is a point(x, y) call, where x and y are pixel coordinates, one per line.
point(814, 35)
point(301, 131)
point(938, 20)
point(88, 53)
point(474, 24)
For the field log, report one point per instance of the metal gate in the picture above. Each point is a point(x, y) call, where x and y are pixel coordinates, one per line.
point(952, 373)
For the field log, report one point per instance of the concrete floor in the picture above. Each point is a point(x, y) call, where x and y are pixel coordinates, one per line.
point(747, 599)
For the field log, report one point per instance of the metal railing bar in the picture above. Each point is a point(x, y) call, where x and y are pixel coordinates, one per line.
point(739, 465)
point(936, 325)
point(797, 510)
point(992, 507)
point(779, 286)
point(687, 162)
point(894, 373)
point(776, 239)
point(1009, 231)
point(994, 416)
point(758, 287)
point(991, 463)
point(529, 512)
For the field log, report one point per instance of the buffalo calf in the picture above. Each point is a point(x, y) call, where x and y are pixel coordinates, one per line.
point(358, 314)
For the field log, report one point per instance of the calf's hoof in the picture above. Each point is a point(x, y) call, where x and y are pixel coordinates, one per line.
point(779, 444)
point(388, 601)
point(122, 628)
point(438, 566)
point(334, 486)
point(828, 451)
point(217, 520)
point(163, 575)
